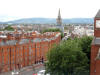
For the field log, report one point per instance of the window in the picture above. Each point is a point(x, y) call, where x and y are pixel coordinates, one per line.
point(2, 56)
point(21, 59)
point(29, 57)
point(25, 58)
point(8, 58)
point(12, 61)
point(8, 61)
point(21, 53)
point(21, 48)
point(30, 50)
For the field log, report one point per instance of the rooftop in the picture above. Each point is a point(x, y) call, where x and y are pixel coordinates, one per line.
point(4, 41)
point(98, 14)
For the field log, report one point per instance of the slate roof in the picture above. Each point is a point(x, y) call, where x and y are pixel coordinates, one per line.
point(13, 42)
point(2, 43)
point(97, 41)
point(10, 42)
point(36, 40)
point(98, 14)
point(22, 41)
point(45, 39)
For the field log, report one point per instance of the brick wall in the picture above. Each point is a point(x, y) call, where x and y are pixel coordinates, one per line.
point(95, 64)
point(21, 55)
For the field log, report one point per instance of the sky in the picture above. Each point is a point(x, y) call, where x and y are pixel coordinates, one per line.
point(15, 9)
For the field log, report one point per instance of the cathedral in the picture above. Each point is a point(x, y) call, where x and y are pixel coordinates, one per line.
point(59, 22)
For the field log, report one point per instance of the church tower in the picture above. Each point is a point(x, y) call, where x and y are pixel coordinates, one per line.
point(95, 47)
point(59, 22)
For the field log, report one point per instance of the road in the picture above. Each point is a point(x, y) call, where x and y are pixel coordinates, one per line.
point(29, 70)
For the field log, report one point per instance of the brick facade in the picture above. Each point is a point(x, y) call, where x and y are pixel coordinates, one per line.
point(95, 64)
point(21, 54)
point(95, 49)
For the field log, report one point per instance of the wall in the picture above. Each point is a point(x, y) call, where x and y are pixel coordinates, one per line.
point(21, 55)
point(95, 63)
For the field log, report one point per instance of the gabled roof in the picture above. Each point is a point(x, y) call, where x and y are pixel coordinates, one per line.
point(98, 14)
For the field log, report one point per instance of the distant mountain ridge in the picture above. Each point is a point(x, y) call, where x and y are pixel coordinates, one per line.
point(50, 20)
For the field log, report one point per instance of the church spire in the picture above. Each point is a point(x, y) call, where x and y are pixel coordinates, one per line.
point(59, 15)
point(59, 20)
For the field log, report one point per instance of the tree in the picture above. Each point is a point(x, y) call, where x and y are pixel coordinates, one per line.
point(9, 28)
point(85, 44)
point(54, 30)
point(67, 59)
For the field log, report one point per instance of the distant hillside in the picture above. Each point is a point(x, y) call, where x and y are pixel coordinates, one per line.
point(79, 20)
point(51, 20)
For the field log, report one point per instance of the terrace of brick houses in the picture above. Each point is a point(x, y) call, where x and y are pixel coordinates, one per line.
point(25, 48)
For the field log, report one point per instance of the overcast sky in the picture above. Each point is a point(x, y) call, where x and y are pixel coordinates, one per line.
point(49, 8)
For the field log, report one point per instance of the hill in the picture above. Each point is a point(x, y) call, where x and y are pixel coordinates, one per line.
point(50, 20)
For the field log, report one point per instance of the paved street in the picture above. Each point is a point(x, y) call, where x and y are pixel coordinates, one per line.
point(29, 70)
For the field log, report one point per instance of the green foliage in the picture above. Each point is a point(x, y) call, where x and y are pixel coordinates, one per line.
point(70, 57)
point(54, 30)
point(66, 28)
point(85, 44)
point(9, 28)
point(1, 29)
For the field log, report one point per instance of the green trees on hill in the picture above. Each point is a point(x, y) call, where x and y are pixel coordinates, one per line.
point(71, 57)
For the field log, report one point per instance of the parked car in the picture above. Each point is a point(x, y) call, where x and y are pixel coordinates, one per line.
point(42, 72)
point(15, 72)
point(34, 74)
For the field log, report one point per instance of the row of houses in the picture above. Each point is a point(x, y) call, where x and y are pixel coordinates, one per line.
point(27, 49)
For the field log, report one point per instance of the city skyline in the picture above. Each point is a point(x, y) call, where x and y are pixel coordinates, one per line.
point(16, 9)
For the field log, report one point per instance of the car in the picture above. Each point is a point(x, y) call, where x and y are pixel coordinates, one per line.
point(34, 74)
point(15, 72)
point(42, 72)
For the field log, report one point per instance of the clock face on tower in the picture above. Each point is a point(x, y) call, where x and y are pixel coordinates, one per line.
point(97, 23)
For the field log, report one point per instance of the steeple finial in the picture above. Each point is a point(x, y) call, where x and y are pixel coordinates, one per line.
point(59, 15)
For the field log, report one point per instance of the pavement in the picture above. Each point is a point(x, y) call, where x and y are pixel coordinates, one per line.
point(29, 70)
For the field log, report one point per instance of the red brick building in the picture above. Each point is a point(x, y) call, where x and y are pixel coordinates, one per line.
point(95, 48)
point(23, 49)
